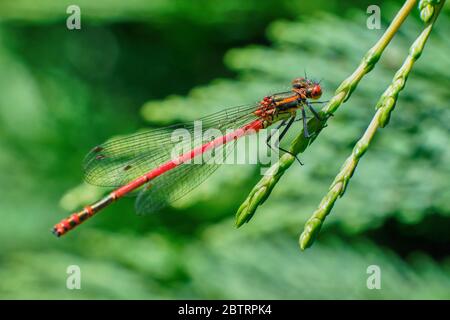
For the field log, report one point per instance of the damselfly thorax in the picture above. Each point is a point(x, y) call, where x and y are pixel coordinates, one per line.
point(283, 105)
point(143, 163)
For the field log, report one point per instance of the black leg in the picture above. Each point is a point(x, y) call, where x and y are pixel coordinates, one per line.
point(288, 125)
point(305, 124)
point(283, 133)
point(314, 112)
point(300, 119)
point(282, 123)
point(316, 102)
point(294, 155)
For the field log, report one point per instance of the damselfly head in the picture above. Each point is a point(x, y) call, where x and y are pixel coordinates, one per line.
point(315, 91)
point(307, 87)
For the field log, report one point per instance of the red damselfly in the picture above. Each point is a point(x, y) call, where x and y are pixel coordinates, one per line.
point(144, 162)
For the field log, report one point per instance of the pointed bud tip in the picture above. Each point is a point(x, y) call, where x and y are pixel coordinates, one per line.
point(304, 241)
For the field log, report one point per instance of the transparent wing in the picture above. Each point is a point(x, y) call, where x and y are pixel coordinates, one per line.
point(121, 160)
point(176, 183)
point(179, 181)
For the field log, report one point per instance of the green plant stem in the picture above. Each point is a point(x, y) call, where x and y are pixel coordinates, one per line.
point(384, 107)
point(264, 187)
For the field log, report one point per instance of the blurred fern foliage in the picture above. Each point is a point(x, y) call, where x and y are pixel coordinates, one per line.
point(52, 110)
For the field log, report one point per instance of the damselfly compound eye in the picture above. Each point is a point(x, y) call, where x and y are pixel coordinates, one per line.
point(316, 92)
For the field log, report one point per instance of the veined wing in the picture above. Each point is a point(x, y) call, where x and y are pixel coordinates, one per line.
point(179, 181)
point(121, 160)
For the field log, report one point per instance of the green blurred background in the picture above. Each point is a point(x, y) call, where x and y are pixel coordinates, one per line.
point(140, 63)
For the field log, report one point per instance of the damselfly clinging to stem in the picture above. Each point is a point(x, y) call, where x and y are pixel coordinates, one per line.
point(144, 162)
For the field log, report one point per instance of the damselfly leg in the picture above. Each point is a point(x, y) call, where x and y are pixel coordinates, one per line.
point(282, 134)
point(305, 123)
